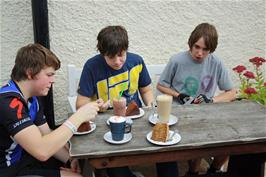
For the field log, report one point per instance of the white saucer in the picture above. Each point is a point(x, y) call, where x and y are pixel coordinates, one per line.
point(176, 139)
point(172, 120)
point(128, 120)
point(141, 113)
point(108, 137)
point(93, 127)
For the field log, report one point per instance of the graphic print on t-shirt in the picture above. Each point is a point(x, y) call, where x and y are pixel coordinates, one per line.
point(191, 86)
point(206, 83)
point(17, 104)
point(111, 87)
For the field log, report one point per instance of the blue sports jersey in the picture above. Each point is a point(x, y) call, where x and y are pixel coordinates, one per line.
point(15, 115)
point(99, 80)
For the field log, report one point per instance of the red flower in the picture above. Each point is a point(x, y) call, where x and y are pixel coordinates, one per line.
point(252, 84)
point(257, 61)
point(249, 75)
point(239, 68)
point(250, 91)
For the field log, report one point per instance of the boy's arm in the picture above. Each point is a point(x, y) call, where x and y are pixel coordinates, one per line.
point(63, 153)
point(146, 95)
point(82, 100)
point(227, 96)
point(42, 147)
point(167, 90)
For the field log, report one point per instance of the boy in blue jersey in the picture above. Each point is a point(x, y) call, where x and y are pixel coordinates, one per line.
point(27, 145)
point(105, 75)
point(194, 75)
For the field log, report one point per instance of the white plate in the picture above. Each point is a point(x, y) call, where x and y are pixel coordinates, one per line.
point(175, 139)
point(141, 113)
point(93, 127)
point(128, 120)
point(108, 137)
point(172, 120)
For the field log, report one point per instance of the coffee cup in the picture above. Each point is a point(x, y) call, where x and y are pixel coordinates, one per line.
point(119, 127)
point(164, 106)
point(119, 105)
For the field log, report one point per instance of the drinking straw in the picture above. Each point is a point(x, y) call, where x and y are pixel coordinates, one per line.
point(121, 92)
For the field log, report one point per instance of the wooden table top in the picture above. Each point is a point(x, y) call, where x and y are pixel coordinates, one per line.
point(200, 126)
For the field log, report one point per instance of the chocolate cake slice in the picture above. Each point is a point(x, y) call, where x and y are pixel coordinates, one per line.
point(132, 109)
point(85, 126)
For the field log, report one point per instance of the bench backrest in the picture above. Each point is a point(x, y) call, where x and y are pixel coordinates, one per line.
point(155, 71)
point(74, 74)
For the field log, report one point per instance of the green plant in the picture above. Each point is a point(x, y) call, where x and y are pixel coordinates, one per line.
point(252, 84)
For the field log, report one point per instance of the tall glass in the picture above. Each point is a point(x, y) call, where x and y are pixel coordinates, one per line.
point(119, 105)
point(164, 105)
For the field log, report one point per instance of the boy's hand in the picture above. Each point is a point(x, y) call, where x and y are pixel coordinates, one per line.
point(75, 166)
point(103, 106)
point(182, 98)
point(202, 99)
point(88, 111)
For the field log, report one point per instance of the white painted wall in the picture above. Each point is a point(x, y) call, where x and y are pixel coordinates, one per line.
point(157, 30)
point(16, 31)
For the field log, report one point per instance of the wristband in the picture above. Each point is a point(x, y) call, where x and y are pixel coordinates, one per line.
point(71, 126)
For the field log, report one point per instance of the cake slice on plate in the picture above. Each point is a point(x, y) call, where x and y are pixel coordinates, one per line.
point(132, 109)
point(84, 127)
point(160, 132)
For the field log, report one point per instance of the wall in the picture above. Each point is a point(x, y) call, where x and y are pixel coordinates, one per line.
point(157, 30)
point(16, 31)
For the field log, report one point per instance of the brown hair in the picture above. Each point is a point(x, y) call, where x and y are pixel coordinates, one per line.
point(33, 57)
point(209, 34)
point(112, 40)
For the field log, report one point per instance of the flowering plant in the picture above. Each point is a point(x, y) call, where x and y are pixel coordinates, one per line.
point(252, 84)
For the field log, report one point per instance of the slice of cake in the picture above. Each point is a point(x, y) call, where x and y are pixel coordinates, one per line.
point(85, 126)
point(160, 132)
point(132, 109)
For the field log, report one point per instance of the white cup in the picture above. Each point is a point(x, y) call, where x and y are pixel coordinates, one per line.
point(164, 105)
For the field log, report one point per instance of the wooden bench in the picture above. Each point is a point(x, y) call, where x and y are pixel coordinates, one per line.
point(74, 74)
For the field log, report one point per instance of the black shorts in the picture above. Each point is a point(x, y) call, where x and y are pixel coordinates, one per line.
point(31, 166)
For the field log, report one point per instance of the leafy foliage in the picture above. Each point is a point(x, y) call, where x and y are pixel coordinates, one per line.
point(253, 85)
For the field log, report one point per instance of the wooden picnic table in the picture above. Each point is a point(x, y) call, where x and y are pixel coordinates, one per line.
point(206, 129)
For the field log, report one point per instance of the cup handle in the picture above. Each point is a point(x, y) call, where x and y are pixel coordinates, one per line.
point(127, 128)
